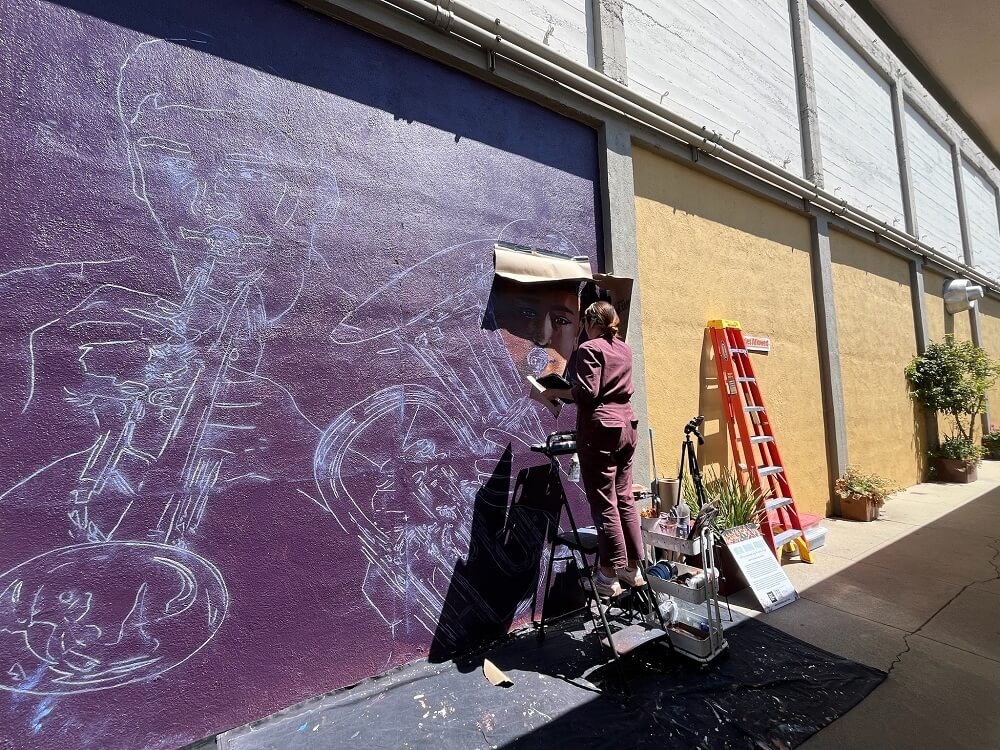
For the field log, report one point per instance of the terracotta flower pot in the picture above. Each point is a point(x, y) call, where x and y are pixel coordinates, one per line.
point(858, 509)
point(955, 470)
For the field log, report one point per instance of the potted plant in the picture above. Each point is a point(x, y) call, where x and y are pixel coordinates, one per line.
point(862, 495)
point(952, 378)
point(991, 443)
point(956, 459)
point(738, 504)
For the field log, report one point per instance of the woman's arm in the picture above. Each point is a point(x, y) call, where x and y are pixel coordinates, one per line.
point(587, 379)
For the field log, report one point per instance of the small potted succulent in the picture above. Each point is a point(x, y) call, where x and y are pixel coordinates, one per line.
point(991, 443)
point(957, 459)
point(862, 495)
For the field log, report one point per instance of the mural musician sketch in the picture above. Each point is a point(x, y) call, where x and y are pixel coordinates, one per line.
point(404, 467)
point(172, 384)
point(175, 386)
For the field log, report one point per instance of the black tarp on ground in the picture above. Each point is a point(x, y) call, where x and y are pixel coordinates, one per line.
point(771, 691)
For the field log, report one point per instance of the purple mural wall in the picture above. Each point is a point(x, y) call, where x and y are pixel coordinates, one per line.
point(260, 421)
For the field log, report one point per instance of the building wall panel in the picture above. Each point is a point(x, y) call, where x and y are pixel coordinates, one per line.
point(857, 142)
point(984, 225)
point(728, 67)
point(936, 205)
point(885, 431)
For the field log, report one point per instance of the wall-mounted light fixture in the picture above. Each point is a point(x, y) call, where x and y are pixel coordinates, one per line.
point(961, 295)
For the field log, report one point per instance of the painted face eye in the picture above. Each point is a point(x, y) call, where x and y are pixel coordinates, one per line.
point(561, 320)
point(528, 313)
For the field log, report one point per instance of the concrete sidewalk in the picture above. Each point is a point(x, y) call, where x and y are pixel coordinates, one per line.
point(916, 594)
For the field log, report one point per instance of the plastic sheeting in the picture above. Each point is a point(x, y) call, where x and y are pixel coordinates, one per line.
point(772, 690)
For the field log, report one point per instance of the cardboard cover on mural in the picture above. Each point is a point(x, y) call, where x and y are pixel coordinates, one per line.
point(532, 266)
point(619, 288)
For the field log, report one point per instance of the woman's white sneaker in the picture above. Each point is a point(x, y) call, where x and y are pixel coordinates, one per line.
point(606, 587)
point(631, 577)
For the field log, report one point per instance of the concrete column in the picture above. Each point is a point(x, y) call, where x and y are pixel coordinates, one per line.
point(963, 222)
point(812, 159)
point(920, 327)
point(621, 257)
point(963, 214)
point(829, 350)
point(609, 39)
point(977, 339)
point(903, 157)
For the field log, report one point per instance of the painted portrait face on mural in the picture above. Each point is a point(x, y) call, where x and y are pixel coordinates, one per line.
point(540, 323)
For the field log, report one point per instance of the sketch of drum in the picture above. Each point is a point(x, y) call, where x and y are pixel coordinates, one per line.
point(97, 616)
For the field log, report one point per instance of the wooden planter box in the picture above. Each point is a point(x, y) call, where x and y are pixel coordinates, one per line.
point(858, 509)
point(955, 470)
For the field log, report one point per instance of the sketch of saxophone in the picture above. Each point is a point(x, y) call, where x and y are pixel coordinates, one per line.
point(152, 479)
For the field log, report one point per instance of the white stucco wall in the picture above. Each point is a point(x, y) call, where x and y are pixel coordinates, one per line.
point(984, 227)
point(857, 140)
point(727, 66)
point(563, 25)
point(935, 201)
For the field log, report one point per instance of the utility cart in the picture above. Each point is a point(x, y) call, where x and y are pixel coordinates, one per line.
point(699, 639)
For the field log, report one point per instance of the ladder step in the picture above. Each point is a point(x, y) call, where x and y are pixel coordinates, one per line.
point(758, 439)
point(746, 380)
point(773, 503)
point(766, 471)
point(630, 638)
point(753, 408)
point(780, 540)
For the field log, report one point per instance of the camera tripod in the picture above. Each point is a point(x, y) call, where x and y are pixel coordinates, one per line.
point(689, 457)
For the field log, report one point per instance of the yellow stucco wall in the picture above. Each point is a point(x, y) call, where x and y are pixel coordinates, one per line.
point(886, 434)
point(708, 250)
point(989, 329)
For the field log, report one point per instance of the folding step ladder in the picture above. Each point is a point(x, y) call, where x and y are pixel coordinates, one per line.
point(755, 450)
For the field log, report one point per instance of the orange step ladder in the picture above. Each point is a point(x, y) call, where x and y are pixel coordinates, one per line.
point(755, 450)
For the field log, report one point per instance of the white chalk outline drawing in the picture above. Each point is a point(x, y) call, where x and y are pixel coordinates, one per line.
point(55, 630)
point(195, 348)
point(477, 402)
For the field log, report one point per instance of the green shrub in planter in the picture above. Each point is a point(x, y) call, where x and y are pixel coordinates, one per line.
point(959, 449)
point(953, 377)
point(991, 442)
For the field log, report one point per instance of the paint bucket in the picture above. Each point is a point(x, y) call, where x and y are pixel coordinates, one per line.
point(668, 491)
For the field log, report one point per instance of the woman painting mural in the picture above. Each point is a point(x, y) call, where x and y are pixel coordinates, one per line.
point(606, 440)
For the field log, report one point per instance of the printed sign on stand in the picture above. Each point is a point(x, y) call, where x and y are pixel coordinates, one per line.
point(760, 567)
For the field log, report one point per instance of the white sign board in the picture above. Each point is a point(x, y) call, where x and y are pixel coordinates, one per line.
point(760, 567)
point(758, 344)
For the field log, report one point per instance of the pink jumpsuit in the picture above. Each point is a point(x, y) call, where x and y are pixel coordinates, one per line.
point(606, 440)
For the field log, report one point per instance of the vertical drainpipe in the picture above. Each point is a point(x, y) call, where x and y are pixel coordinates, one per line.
point(621, 251)
point(834, 420)
point(963, 222)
